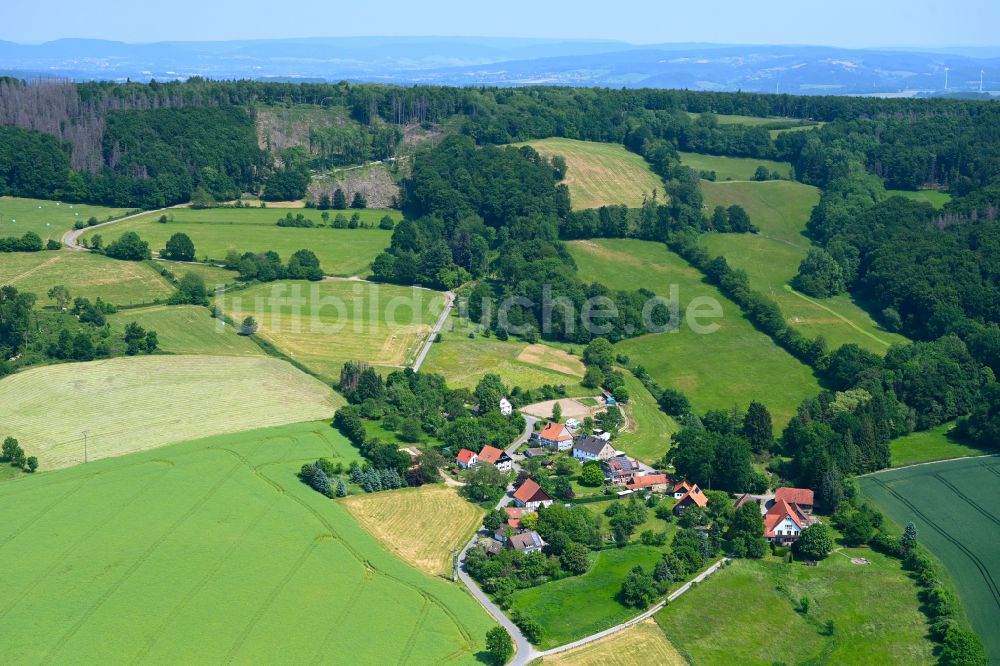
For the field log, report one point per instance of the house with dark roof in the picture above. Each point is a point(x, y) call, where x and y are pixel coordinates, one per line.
point(531, 496)
point(496, 457)
point(691, 497)
point(784, 522)
point(490, 546)
point(535, 452)
point(621, 470)
point(557, 436)
point(803, 497)
point(526, 542)
point(589, 447)
point(466, 458)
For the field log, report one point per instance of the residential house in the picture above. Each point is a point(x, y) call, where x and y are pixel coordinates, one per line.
point(557, 436)
point(692, 497)
point(652, 482)
point(747, 497)
point(505, 407)
point(514, 514)
point(592, 448)
point(526, 542)
point(621, 470)
point(496, 457)
point(490, 546)
point(784, 522)
point(531, 495)
point(681, 489)
point(803, 497)
point(466, 458)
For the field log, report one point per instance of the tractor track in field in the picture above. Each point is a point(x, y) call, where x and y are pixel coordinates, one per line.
point(971, 502)
point(983, 569)
point(41, 514)
point(411, 642)
point(146, 554)
point(990, 468)
point(337, 622)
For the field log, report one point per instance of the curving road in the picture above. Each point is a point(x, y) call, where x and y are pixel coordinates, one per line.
point(70, 237)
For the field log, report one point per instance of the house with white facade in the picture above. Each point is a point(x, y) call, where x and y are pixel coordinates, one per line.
point(557, 436)
point(588, 448)
point(784, 522)
point(496, 457)
point(505, 407)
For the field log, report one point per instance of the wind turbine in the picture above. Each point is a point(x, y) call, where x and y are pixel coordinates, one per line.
point(980, 80)
point(946, 70)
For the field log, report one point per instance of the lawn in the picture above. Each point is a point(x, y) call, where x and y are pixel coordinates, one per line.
point(215, 231)
point(143, 402)
point(84, 274)
point(732, 366)
point(771, 258)
point(933, 197)
point(187, 329)
point(648, 435)
point(652, 522)
point(420, 526)
point(578, 606)
point(48, 219)
point(928, 446)
point(733, 168)
point(641, 644)
point(601, 174)
point(750, 608)
point(324, 324)
point(212, 551)
point(463, 360)
point(954, 506)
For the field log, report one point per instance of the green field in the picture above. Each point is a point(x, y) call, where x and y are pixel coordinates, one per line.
point(648, 437)
point(578, 606)
point(733, 168)
point(215, 231)
point(933, 197)
point(142, 402)
point(84, 274)
point(954, 506)
point(746, 614)
point(212, 551)
point(187, 329)
point(324, 324)
point(463, 360)
point(928, 446)
point(732, 366)
point(48, 219)
point(214, 276)
point(771, 258)
point(601, 174)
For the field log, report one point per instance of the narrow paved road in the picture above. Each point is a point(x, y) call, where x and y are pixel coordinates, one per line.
point(449, 304)
point(70, 237)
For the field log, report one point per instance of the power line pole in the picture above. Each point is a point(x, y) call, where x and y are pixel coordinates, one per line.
point(454, 565)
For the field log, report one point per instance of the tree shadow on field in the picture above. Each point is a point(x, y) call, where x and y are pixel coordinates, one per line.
point(485, 657)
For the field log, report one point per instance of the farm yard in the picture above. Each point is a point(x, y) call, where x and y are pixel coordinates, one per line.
point(49, 219)
point(418, 525)
point(733, 168)
point(735, 615)
point(601, 174)
point(85, 274)
point(212, 551)
point(187, 329)
point(771, 259)
point(142, 402)
point(325, 324)
point(954, 506)
point(733, 365)
point(215, 231)
point(645, 641)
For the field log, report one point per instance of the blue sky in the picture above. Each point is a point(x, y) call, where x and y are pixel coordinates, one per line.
point(849, 23)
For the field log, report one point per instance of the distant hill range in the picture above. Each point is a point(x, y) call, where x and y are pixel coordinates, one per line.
point(519, 62)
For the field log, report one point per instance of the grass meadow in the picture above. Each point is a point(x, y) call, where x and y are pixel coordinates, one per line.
point(418, 525)
point(48, 219)
point(215, 231)
point(933, 197)
point(214, 276)
point(954, 506)
point(731, 366)
point(771, 259)
point(747, 613)
point(212, 551)
point(733, 168)
point(142, 402)
point(641, 644)
point(601, 174)
point(928, 446)
point(186, 329)
point(647, 436)
point(84, 274)
point(325, 324)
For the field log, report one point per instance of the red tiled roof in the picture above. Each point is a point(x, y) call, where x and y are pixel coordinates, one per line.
point(490, 454)
point(647, 481)
point(556, 432)
point(465, 456)
point(777, 513)
point(514, 514)
point(696, 496)
point(531, 492)
point(802, 496)
point(683, 485)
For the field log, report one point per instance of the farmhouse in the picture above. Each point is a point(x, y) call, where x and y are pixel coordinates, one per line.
point(466, 458)
point(621, 470)
point(783, 522)
point(592, 448)
point(557, 436)
point(692, 497)
point(801, 497)
point(653, 482)
point(505, 407)
point(681, 489)
point(526, 542)
point(531, 496)
point(497, 457)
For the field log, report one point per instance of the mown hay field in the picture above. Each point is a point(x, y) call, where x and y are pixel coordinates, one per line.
point(420, 526)
point(48, 219)
point(641, 644)
point(84, 274)
point(142, 402)
point(733, 168)
point(212, 551)
point(601, 174)
point(215, 231)
point(954, 506)
point(187, 329)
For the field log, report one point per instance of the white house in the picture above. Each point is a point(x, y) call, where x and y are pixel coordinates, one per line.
point(784, 522)
point(505, 407)
point(466, 458)
point(557, 436)
point(496, 457)
point(592, 448)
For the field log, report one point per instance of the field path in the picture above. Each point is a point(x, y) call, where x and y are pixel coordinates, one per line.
point(448, 306)
point(70, 237)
